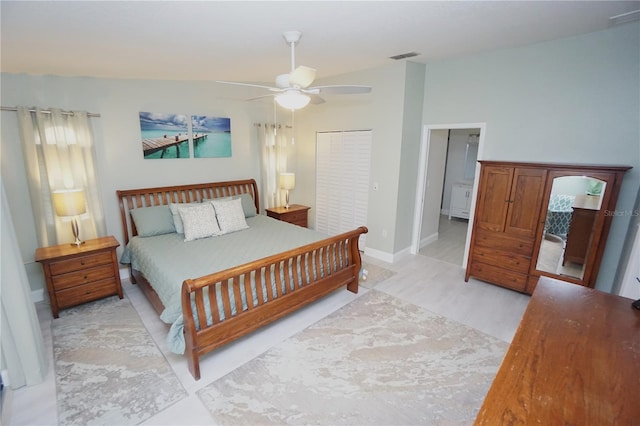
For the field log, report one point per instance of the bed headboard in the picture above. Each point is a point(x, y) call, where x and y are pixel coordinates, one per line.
point(130, 199)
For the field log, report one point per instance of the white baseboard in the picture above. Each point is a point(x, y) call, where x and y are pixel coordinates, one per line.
point(428, 240)
point(37, 295)
point(387, 257)
point(379, 254)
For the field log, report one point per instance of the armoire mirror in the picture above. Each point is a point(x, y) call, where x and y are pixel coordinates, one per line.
point(572, 225)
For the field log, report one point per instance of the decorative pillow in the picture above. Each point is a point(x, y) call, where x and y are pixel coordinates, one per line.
point(199, 221)
point(248, 205)
point(177, 220)
point(155, 220)
point(230, 215)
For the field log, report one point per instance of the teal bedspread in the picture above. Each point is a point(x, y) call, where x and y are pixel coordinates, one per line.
point(167, 260)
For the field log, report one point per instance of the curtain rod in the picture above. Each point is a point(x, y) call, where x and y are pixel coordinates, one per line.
point(271, 124)
point(46, 111)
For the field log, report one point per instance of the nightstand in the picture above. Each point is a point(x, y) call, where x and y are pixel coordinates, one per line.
point(76, 275)
point(295, 214)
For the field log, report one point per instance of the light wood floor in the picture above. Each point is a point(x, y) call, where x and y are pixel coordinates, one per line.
point(449, 247)
point(433, 284)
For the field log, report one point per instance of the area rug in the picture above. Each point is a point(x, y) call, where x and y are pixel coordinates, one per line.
point(376, 361)
point(108, 369)
point(375, 274)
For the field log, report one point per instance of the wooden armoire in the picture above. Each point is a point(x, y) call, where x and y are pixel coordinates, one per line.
point(510, 216)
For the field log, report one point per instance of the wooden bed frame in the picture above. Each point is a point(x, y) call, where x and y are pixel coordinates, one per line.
point(307, 273)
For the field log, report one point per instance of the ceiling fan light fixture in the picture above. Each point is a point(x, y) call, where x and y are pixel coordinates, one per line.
point(293, 99)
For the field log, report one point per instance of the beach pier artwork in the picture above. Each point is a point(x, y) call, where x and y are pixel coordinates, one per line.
point(164, 135)
point(153, 145)
point(217, 140)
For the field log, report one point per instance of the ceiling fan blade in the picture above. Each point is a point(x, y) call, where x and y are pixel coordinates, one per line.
point(339, 90)
point(302, 76)
point(316, 100)
point(260, 97)
point(273, 89)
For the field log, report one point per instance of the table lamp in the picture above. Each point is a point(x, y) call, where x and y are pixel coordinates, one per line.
point(70, 202)
point(287, 182)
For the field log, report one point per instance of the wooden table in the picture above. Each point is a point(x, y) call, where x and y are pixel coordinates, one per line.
point(295, 214)
point(574, 360)
point(81, 274)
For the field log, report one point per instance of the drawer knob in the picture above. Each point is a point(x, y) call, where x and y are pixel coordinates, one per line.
point(85, 277)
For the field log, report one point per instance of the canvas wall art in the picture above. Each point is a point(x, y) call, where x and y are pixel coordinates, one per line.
point(211, 136)
point(164, 135)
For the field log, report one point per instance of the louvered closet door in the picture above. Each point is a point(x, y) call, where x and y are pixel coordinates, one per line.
point(342, 181)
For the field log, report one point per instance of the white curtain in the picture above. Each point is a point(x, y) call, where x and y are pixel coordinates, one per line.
point(59, 154)
point(273, 141)
point(22, 345)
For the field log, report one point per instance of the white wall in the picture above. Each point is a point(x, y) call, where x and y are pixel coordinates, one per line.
point(437, 155)
point(117, 134)
point(573, 100)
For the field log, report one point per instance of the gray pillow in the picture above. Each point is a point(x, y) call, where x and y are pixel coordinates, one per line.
point(155, 220)
point(248, 206)
point(177, 220)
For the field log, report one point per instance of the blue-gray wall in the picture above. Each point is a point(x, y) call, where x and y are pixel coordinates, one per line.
point(575, 100)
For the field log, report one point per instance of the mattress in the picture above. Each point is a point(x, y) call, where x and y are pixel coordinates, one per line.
point(167, 260)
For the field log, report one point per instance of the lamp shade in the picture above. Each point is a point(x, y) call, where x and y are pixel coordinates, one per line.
point(287, 181)
point(292, 99)
point(69, 202)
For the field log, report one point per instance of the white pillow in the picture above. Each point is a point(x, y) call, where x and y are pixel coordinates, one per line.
point(230, 215)
point(177, 220)
point(199, 221)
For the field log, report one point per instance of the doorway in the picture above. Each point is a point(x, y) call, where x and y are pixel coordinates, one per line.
point(448, 155)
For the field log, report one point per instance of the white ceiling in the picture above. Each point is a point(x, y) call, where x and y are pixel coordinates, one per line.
point(242, 41)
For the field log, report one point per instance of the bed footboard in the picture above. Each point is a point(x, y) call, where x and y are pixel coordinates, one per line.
point(226, 305)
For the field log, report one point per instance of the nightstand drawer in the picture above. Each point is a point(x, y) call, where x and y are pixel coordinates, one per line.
point(297, 218)
point(84, 262)
point(85, 293)
point(85, 276)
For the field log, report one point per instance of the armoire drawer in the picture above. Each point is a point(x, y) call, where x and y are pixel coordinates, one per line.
point(500, 276)
point(507, 260)
point(504, 242)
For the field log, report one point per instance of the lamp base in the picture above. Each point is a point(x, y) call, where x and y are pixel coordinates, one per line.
point(286, 199)
point(76, 233)
point(77, 243)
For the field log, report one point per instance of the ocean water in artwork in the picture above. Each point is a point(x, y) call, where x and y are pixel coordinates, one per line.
point(211, 136)
point(211, 145)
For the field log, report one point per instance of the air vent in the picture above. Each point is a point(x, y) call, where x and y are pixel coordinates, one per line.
point(404, 56)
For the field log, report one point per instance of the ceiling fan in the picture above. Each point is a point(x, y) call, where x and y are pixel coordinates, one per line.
point(292, 90)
